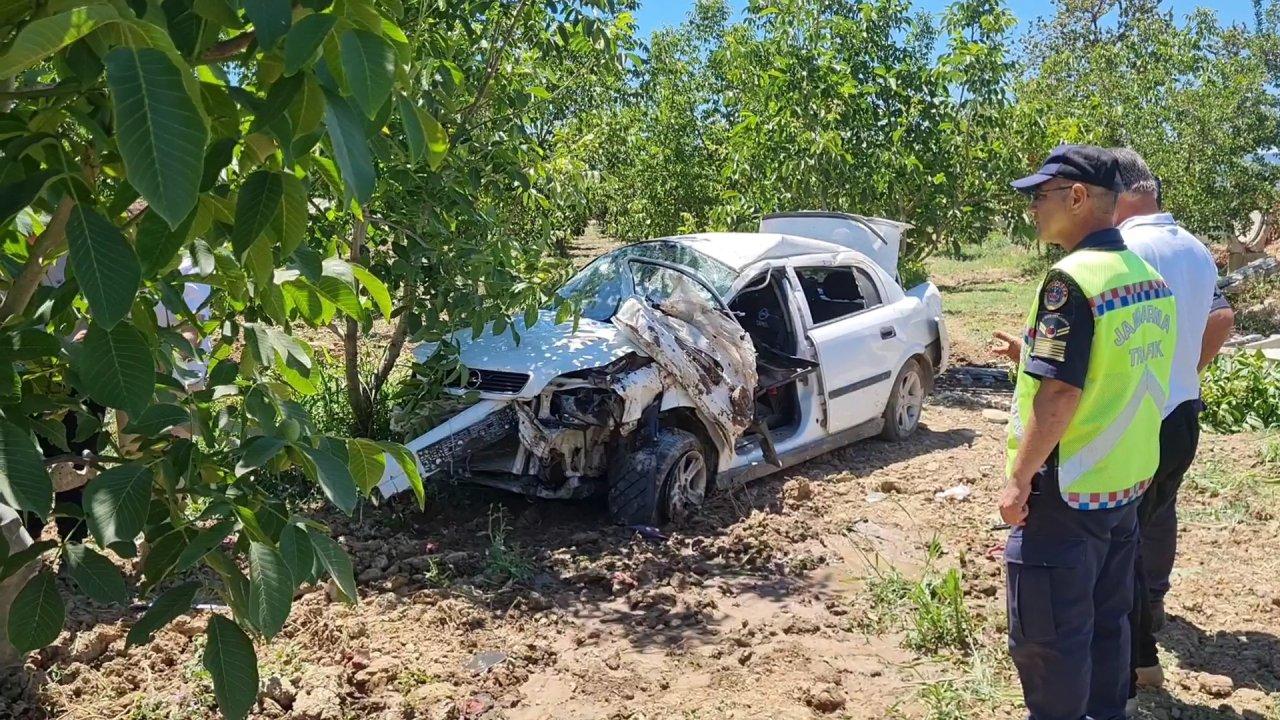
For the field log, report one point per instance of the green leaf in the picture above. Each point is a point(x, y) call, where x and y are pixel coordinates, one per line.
point(116, 503)
point(270, 588)
point(290, 223)
point(304, 40)
point(204, 541)
point(333, 475)
point(233, 665)
point(15, 562)
point(173, 603)
point(97, 576)
point(376, 289)
point(405, 460)
point(116, 367)
point(37, 613)
point(295, 548)
point(158, 419)
point(367, 463)
point(157, 243)
point(256, 206)
point(103, 263)
point(437, 139)
point(162, 557)
point(160, 131)
point(335, 562)
point(257, 451)
point(369, 63)
point(41, 38)
point(24, 483)
point(415, 134)
point(350, 147)
point(16, 196)
point(271, 19)
point(340, 294)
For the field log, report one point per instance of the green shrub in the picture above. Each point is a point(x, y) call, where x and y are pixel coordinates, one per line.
point(1241, 392)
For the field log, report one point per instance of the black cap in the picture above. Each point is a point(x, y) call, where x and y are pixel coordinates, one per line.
point(1087, 164)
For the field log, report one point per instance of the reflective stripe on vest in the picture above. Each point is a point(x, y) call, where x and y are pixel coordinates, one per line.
point(1110, 449)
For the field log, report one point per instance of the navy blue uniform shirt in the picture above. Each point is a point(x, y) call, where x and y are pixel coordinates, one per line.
point(1060, 340)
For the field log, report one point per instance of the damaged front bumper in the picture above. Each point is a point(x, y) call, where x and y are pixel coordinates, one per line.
point(560, 443)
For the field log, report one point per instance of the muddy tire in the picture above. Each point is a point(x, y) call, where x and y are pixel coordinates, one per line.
point(906, 402)
point(664, 481)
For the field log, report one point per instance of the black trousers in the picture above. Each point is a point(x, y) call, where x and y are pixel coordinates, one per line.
point(1158, 525)
point(69, 528)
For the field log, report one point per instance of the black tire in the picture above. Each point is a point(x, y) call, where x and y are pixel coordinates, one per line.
point(641, 484)
point(895, 429)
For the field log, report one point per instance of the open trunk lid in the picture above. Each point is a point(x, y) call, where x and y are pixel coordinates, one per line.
point(877, 238)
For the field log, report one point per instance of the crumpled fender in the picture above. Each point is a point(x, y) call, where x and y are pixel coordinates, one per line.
point(700, 349)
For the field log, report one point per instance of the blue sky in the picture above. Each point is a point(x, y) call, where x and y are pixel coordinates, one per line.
point(654, 14)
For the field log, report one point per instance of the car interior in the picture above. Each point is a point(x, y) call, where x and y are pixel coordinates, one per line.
point(761, 310)
point(832, 292)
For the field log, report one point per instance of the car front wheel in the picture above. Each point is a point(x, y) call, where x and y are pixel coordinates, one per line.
point(665, 480)
point(906, 402)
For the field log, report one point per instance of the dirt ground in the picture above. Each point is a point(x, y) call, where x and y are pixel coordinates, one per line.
point(794, 597)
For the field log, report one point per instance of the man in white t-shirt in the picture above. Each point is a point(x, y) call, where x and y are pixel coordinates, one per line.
point(1204, 323)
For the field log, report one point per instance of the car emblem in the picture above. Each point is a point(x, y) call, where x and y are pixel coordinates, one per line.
point(473, 379)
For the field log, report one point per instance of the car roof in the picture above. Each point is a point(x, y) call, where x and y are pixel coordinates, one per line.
point(740, 250)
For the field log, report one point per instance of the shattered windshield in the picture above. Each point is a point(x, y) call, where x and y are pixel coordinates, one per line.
point(601, 286)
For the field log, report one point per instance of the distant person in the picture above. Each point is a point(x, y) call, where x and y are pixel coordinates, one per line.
point(1093, 378)
point(1204, 323)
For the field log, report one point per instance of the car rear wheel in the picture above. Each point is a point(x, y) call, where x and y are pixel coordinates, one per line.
point(663, 481)
point(906, 403)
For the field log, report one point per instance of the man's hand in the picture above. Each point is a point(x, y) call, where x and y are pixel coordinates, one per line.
point(1013, 503)
point(1008, 346)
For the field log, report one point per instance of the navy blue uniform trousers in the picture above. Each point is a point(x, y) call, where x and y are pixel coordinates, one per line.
point(1070, 591)
point(1158, 526)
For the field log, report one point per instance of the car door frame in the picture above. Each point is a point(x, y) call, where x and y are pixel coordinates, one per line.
point(852, 397)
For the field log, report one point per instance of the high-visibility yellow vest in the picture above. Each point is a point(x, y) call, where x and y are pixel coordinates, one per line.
point(1112, 447)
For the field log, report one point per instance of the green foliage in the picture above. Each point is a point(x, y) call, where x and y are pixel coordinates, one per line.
point(728, 121)
point(312, 164)
point(1195, 98)
point(1241, 392)
point(940, 620)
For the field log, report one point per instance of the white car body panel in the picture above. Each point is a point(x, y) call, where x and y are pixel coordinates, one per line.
point(838, 398)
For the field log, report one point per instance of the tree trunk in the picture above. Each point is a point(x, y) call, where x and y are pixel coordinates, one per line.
point(357, 395)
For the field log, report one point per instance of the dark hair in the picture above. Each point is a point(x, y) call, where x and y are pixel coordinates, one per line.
point(1134, 173)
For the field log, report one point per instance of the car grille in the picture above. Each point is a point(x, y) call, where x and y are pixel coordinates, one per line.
point(494, 381)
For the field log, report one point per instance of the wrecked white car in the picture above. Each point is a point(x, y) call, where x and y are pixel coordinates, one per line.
point(698, 362)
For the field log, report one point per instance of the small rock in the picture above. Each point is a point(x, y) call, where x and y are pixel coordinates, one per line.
point(484, 661)
point(279, 690)
point(613, 662)
point(999, 417)
point(1216, 685)
point(379, 674)
point(825, 699)
point(798, 491)
point(370, 575)
point(890, 486)
point(745, 656)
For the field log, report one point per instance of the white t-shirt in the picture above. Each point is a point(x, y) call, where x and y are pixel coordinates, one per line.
point(1189, 270)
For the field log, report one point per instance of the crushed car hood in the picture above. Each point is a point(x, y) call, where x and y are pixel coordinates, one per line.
point(546, 350)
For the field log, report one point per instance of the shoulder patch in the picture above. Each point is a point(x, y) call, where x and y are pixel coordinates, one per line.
point(1053, 326)
point(1055, 295)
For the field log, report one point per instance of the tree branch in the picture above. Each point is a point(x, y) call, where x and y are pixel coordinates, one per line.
point(88, 459)
point(356, 394)
point(39, 91)
point(52, 239)
point(228, 49)
point(396, 345)
point(495, 60)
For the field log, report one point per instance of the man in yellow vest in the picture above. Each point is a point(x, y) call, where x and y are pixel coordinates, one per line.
point(1094, 367)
